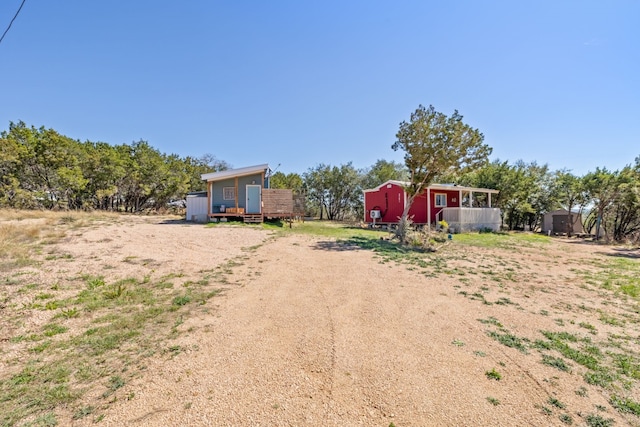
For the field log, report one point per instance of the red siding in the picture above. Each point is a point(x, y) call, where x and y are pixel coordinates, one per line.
point(453, 201)
point(389, 200)
point(418, 210)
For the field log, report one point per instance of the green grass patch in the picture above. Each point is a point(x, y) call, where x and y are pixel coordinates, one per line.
point(491, 321)
point(52, 329)
point(620, 275)
point(625, 405)
point(556, 362)
point(502, 240)
point(566, 419)
point(558, 342)
point(493, 401)
point(509, 340)
point(555, 402)
point(626, 364)
point(601, 378)
point(493, 374)
point(597, 421)
point(181, 300)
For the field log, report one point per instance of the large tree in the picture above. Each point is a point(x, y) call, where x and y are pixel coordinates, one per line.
point(436, 144)
point(334, 190)
point(570, 193)
point(602, 191)
point(291, 181)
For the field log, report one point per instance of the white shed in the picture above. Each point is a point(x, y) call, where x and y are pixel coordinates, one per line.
point(197, 206)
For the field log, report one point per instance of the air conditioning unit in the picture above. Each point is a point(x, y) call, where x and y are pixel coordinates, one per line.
point(374, 214)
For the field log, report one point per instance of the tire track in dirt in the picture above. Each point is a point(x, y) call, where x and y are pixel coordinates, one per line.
point(321, 334)
point(331, 374)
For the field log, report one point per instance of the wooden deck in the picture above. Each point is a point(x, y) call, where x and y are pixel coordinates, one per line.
point(276, 203)
point(251, 218)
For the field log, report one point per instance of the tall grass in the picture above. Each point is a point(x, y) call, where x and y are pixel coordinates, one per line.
point(15, 244)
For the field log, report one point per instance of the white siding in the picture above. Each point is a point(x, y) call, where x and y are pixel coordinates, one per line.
point(469, 219)
point(197, 208)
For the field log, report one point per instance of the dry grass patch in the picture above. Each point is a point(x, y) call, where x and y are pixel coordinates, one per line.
point(73, 341)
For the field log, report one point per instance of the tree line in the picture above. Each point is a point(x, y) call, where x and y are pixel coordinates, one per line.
point(39, 168)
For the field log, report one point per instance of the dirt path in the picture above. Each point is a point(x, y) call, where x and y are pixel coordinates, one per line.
point(320, 334)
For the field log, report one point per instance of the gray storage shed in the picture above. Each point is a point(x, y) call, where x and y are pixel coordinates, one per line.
point(556, 222)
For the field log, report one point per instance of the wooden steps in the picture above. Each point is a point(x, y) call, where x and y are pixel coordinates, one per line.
point(253, 218)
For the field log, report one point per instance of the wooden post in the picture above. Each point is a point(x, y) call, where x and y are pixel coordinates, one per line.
point(208, 199)
point(236, 191)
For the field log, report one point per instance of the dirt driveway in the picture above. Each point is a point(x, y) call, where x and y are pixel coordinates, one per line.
point(311, 332)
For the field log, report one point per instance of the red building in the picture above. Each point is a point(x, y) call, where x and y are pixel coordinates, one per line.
point(463, 208)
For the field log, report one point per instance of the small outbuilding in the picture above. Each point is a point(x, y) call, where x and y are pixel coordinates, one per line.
point(197, 206)
point(557, 222)
point(463, 208)
point(241, 193)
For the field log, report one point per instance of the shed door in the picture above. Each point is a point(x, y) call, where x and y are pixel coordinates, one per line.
point(254, 201)
point(560, 223)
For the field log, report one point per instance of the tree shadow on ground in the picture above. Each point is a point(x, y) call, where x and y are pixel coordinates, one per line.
point(623, 253)
point(381, 246)
point(180, 221)
point(340, 246)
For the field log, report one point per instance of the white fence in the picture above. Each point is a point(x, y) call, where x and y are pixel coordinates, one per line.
point(470, 219)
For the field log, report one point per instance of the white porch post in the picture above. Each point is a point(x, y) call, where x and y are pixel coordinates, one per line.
point(489, 199)
point(470, 198)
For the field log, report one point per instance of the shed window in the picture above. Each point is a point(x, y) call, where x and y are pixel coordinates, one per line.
point(441, 200)
point(229, 193)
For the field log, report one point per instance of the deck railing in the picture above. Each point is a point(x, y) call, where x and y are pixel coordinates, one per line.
point(468, 219)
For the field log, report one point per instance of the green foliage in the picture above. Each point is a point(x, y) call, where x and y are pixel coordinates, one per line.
point(569, 192)
point(493, 401)
point(509, 340)
point(600, 377)
point(39, 168)
point(625, 405)
point(525, 190)
point(555, 402)
point(493, 374)
point(598, 421)
point(435, 144)
point(383, 171)
point(334, 191)
point(83, 412)
point(52, 329)
point(566, 419)
point(558, 341)
point(115, 382)
point(291, 181)
point(181, 300)
point(491, 321)
point(555, 362)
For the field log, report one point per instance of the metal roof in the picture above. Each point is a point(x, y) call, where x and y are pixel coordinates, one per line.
point(232, 173)
point(435, 187)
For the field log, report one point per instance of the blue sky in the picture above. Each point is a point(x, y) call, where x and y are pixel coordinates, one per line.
point(299, 83)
